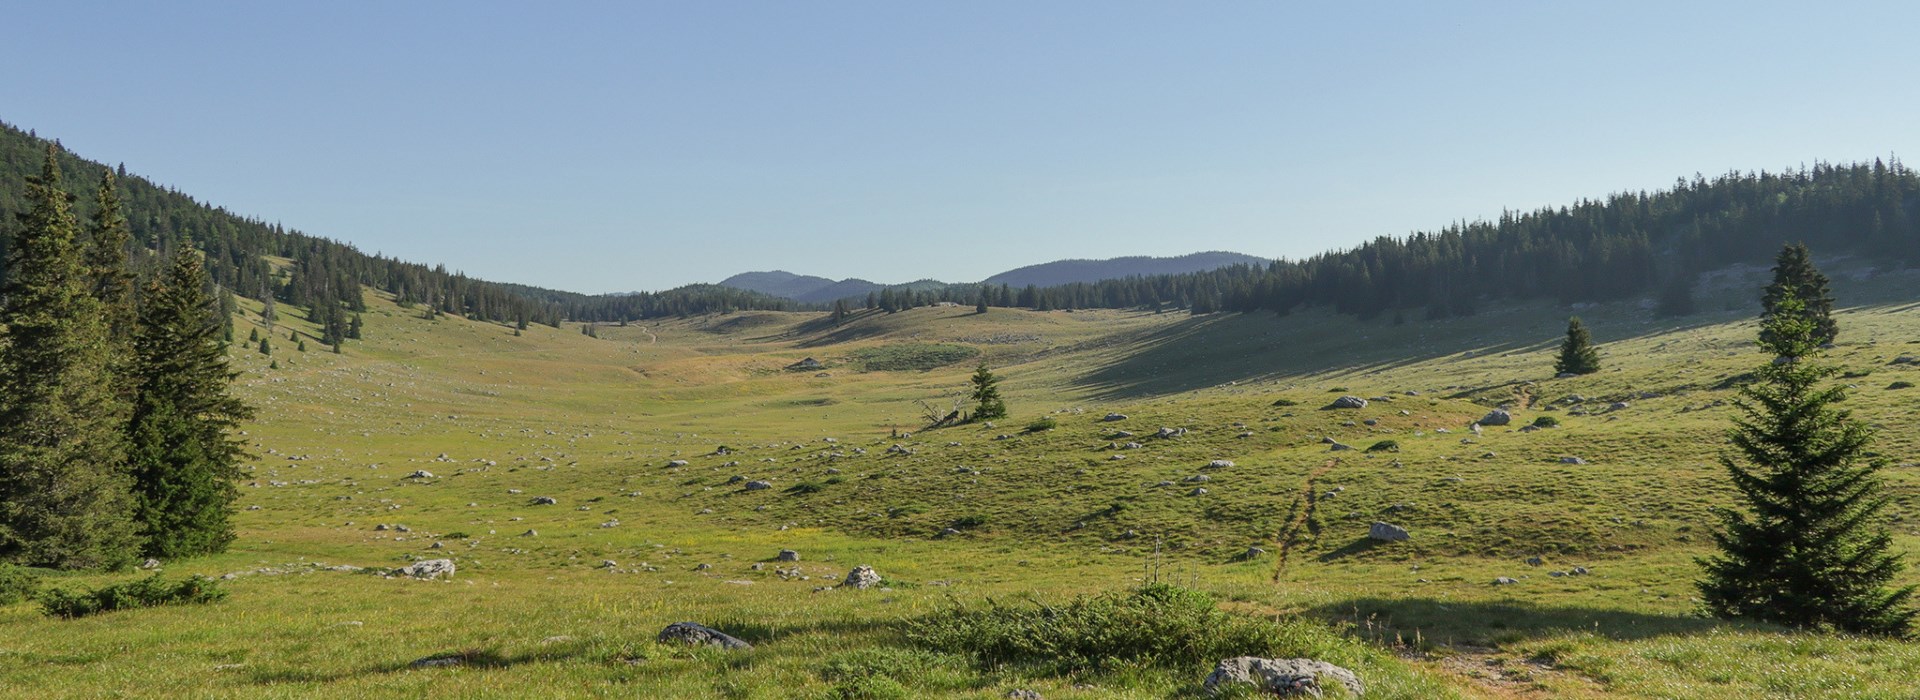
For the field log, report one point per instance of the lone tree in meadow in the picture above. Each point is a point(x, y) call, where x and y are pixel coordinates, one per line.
point(986, 395)
point(1795, 275)
point(63, 488)
point(1577, 355)
point(181, 453)
point(1809, 546)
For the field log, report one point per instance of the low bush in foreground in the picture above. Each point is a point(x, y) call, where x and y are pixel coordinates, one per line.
point(144, 593)
point(16, 584)
point(1154, 625)
point(1042, 424)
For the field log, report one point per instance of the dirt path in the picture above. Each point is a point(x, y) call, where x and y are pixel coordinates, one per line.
point(1300, 516)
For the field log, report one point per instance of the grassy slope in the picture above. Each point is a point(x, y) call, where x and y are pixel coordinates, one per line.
point(594, 423)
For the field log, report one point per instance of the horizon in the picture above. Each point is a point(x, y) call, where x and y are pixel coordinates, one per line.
point(589, 144)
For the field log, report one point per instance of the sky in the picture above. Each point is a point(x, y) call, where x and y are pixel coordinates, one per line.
point(603, 147)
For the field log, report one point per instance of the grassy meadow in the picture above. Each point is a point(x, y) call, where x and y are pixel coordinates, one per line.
point(638, 436)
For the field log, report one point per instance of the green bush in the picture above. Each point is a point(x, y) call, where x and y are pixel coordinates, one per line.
point(1546, 422)
point(1154, 625)
point(805, 488)
point(144, 593)
point(1042, 424)
point(1900, 385)
point(1384, 446)
point(1283, 403)
point(17, 584)
point(968, 522)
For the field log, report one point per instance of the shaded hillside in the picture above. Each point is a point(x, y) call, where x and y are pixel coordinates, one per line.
point(1061, 272)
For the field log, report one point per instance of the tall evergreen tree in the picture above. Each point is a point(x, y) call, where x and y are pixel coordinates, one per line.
point(1577, 355)
point(839, 311)
point(63, 488)
point(1794, 275)
point(1809, 548)
point(106, 258)
point(986, 395)
point(183, 458)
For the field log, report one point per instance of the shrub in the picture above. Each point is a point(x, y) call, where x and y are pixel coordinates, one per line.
point(17, 584)
point(1154, 625)
point(1900, 385)
point(1546, 422)
point(1042, 424)
point(144, 593)
point(804, 488)
point(1384, 446)
point(968, 522)
point(876, 674)
point(1285, 402)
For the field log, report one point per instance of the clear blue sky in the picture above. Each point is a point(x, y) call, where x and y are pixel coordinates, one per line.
point(617, 146)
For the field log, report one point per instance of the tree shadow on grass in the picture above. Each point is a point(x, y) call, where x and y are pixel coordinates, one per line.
point(466, 658)
point(1490, 623)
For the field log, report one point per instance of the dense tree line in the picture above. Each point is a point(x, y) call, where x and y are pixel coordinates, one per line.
point(115, 419)
point(1625, 246)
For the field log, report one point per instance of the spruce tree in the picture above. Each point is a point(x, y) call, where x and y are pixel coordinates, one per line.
point(1795, 275)
point(63, 487)
point(1577, 355)
point(183, 458)
point(106, 259)
point(986, 395)
point(1809, 546)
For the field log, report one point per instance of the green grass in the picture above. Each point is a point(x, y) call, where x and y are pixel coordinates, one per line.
point(1049, 515)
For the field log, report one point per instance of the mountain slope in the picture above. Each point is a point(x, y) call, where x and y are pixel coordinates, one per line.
point(1062, 272)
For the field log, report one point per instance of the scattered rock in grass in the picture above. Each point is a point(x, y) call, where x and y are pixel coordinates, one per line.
point(861, 578)
point(1219, 464)
point(1023, 694)
point(1338, 447)
point(150, 564)
point(1281, 677)
point(1387, 532)
point(1572, 460)
point(1496, 418)
point(1347, 402)
point(787, 555)
point(438, 662)
point(1578, 571)
point(1198, 492)
point(1170, 432)
point(1536, 561)
point(759, 485)
point(1253, 553)
point(1198, 479)
point(696, 634)
point(1504, 581)
point(1619, 406)
point(420, 474)
point(530, 533)
point(544, 501)
point(1114, 417)
point(948, 532)
point(427, 569)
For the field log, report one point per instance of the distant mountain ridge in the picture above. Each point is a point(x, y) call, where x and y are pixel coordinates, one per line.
point(820, 290)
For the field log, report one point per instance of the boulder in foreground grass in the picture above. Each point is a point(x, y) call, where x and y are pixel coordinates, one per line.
point(1387, 532)
point(1281, 677)
point(696, 634)
point(1495, 418)
point(428, 569)
point(1348, 402)
point(862, 577)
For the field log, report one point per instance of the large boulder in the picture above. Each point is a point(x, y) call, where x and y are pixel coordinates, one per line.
point(1387, 532)
point(1114, 417)
point(787, 555)
point(862, 577)
point(1281, 677)
point(430, 568)
point(1348, 402)
point(1496, 417)
point(759, 485)
point(696, 634)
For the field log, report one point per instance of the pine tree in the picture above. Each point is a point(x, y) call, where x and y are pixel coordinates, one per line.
point(354, 329)
point(986, 395)
point(63, 489)
point(980, 306)
point(1809, 548)
point(839, 311)
point(266, 346)
point(1577, 355)
point(106, 259)
point(184, 460)
point(1795, 275)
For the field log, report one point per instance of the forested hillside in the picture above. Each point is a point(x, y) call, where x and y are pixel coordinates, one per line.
point(238, 248)
point(1628, 245)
